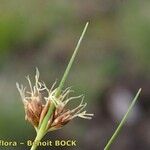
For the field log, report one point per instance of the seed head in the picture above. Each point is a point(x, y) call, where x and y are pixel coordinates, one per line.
point(37, 104)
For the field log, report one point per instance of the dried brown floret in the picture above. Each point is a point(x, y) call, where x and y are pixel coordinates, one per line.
point(36, 109)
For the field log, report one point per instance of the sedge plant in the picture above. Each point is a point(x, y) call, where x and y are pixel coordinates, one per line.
point(52, 114)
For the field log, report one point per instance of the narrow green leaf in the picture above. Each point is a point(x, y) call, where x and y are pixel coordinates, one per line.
point(114, 136)
point(71, 62)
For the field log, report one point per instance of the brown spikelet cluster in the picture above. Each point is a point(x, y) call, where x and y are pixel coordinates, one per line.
point(36, 105)
point(35, 112)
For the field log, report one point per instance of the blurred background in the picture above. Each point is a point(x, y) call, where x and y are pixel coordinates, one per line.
point(112, 64)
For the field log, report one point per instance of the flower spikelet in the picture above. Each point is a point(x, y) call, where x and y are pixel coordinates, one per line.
point(39, 98)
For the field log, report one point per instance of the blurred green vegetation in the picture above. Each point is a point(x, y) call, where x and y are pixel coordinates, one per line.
point(43, 34)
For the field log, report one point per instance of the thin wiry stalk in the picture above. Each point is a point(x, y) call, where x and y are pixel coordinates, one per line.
point(114, 136)
point(71, 62)
point(43, 127)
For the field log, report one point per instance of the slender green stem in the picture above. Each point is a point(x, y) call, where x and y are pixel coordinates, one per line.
point(38, 138)
point(71, 62)
point(43, 127)
point(114, 136)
